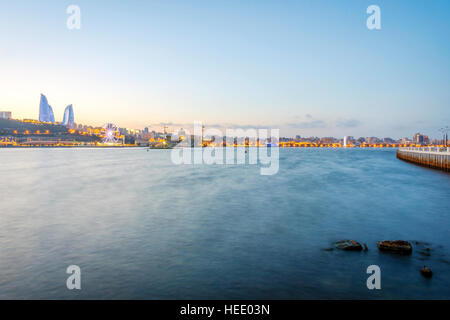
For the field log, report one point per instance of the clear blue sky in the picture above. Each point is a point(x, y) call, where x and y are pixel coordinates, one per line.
point(306, 67)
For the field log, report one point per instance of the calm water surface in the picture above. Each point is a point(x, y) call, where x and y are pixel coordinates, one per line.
point(141, 227)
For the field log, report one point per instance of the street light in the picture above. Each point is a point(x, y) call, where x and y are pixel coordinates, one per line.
point(445, 131)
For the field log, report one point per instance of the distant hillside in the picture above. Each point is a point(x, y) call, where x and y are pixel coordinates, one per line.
point(8, 126)
point(17, 129)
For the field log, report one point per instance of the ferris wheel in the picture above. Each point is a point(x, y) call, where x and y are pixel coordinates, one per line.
point(112, 133)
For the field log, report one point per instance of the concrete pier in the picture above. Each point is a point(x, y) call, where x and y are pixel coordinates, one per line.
point(436, 158)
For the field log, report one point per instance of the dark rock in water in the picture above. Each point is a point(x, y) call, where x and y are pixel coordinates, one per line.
point(365, 247)
point(426, 254)
point(397, 246)
point(350, 245)
point(426, 272)
point(328, 249)
point(421, 243)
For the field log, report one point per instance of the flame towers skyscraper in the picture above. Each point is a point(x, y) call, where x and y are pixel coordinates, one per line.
point(68, 119)
point(45, 110)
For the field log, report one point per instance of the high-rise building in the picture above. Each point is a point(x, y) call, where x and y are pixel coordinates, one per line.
point(52, 115)
point(418, 138)
point(346, 141)
point(5, 115)
point(68, 119)
point(45, 111)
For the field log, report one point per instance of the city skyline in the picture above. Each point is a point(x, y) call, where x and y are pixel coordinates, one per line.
point(46, 115)
point(308, 69)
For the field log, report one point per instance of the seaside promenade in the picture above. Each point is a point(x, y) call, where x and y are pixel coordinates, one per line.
point(432, 157)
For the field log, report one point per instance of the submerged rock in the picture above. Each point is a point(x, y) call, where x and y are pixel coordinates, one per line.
point(422, 259)
point(426, 254)
point(365, 247)
point(397, 246)
point(426, 272)
point(350, 245)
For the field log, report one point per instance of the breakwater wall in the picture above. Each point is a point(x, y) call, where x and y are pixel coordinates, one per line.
point(436, 158)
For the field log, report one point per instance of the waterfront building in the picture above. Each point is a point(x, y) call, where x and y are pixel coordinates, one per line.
point(420, 138)
point(373, 140)
point(327, 140)
point(405, 141)
point(5, 115)
point(348, 140)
